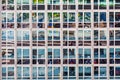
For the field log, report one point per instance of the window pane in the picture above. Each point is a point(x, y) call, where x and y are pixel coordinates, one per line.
point(102, 53)
point(10, 35)
point(26, 71)
point(117, 53)
point(41, 71)
point(87, 53)
point(56, 53)
point(87, 71)
point(102, 71)
point(26, 35)
point(56, 71)
point(25, 53)
point(41, 53)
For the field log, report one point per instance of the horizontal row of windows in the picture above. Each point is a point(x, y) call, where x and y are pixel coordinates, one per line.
point(69, 17)
point(54, 35)
point(53, 56)
point(58, 7)
point(86, 2)
point(65, 25)
point(69, 72)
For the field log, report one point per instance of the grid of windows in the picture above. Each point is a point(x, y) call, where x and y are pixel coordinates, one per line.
point(60, 39)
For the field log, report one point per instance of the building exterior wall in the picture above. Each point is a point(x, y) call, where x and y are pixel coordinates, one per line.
point(60, 40)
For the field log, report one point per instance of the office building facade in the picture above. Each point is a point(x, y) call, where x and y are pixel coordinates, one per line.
point(60, 40)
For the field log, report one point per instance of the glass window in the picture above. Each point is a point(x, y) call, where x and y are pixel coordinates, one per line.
point(111, 55)
point(18, 1)
point(65, 16)
point(49, 1)
point(111, 4)
point(56, 35)
point(41, 71)
point(96, 71)
point(41, 17)
point(72, 35)
point(117, 1)
point(4, 72)
point(80, 16)
point(41, 53)
point(34, 17)
point(49, 53)
point(56, 1)
point(10, 71)
point(111, 16)
point(49, 35)
point(34, 1)
point(49, 17)
point(80, 35)
point(19, 71)
point(102, 71)
point(56, 53)
point(10, 1)
point(25, 53)
point(65, 71)
point(72, 53)
point(102, 4)
point(72, 71)
point(10, 17)
point(10, 35)
point(87, 2)
point(41, 1)
point(102, 53)
point(26, 35)
point(26, 71)
point(19, 53)
point(4, 17)
point(56, 71)
point(10, 53)
point(34, 35)
point(87, 17)
point(56, 17)
point(81, 71)
point(25, 1)
point(102, 16)
point(4, 53)
point(25, 17)
point(3, 1)
point(95, 34)
point(117, 53)
point(65, 35)
point(49, 71)
point(96, 17)
point(19, 36)
point(87, 35)
point(71, 1)
point(80, 53)
point(65, 53)
point(87, 71)
point(111, 34)
point(80, 1)
point(87, 53)
point(4, 35)
point(34, 72)
point(103, 35)
point(96, 53)
point(71, 17)
point(117, 71)
point(19, 17)
point(41, 35)
point(117, 16)
point(117, 36)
